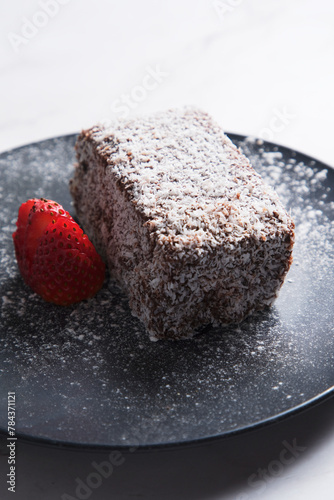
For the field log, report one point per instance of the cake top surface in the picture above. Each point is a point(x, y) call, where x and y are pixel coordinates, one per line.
point(192, 184)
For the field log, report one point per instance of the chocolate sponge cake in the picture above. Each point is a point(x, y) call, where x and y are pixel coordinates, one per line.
point(185, 224)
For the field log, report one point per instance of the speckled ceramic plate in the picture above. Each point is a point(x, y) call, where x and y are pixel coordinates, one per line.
point(88, 375)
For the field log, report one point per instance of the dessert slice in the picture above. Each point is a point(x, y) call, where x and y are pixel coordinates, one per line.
point(186, 225)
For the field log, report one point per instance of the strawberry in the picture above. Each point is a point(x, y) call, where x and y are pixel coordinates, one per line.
point(56, 259)
point(19, 235)
point(34, 216)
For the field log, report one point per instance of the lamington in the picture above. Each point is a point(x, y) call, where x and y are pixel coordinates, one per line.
point(187, 227)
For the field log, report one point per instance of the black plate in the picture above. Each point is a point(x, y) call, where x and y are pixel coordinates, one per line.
point(89, 375)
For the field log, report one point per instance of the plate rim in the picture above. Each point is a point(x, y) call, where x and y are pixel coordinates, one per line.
point(131, 448)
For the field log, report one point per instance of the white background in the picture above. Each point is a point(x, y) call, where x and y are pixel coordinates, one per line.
point(260, 67)
point(244, 61)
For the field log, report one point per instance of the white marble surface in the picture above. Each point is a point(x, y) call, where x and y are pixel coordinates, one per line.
point(244, 61)
point(262, 68)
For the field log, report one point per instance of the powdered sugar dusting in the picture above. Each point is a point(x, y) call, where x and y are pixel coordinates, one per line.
point(295, 182)
point(179, 163)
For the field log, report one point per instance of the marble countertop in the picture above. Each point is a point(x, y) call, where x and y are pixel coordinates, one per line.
point(261, 68)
